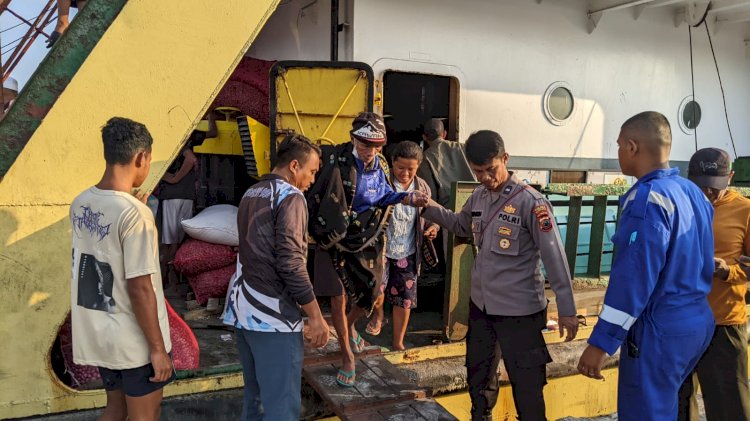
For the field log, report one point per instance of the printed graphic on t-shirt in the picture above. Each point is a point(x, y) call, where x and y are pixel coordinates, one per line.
point(95, 281)
point(86, 219)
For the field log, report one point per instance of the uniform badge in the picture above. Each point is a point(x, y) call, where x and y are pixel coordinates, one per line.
point(509, 209)
point(543, 218)
point(508, 189)
point(505, 231)
point(504, 243)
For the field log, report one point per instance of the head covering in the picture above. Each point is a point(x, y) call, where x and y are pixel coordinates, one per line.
point(433, 129)
point(710, 167)
point(369, 128)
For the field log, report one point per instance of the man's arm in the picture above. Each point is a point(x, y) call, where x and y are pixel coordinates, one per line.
point(291, 256)
point(187, 165)
point(142, 298)
point(137, 232)
point(213, 131)
point(546, 237)
point(733, 272)
point(643, 241)
point(457, 223)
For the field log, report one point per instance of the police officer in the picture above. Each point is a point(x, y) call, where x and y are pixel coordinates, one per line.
point(655, 305)
point(515, 231)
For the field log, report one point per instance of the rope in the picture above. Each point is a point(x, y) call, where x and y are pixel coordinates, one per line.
point(692, 84)
point(721, 85)
point(294, 107)
point(349, 95)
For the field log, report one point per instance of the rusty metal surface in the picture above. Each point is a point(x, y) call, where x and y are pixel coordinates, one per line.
point(52, 76)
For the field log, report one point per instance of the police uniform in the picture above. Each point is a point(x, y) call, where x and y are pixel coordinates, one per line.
point(515, 232)
point(655, 305)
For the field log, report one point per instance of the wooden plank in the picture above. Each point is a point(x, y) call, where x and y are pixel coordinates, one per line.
point(322, 378)
point(458, 271)
point(422, 409)
point(379, 386)
point(596, 242)
point(572, 228)
point(433, 411)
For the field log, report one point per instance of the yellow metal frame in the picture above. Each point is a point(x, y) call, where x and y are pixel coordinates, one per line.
point(144, 67)
point(319, 100)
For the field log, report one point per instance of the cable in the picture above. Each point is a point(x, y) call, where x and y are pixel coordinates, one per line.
point(10, 43)
point(12, 27)
point(692, 84)
point(721, 85)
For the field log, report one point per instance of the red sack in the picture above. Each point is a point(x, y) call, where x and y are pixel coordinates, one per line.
point(248, 89)
point(185, 348)
point(212, 284)
point(195, 257)
point(185, 351)
point(80, 375)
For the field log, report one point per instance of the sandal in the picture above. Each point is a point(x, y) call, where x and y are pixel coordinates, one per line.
point(53, 38)
point(346, 379)
point(358, 344)
point(370, 330)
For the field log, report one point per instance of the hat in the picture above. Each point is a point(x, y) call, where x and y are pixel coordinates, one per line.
point(369, 128)
point(710, 167)
point(433, 128)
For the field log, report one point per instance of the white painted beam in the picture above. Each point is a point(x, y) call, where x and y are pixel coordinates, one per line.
point(661, 3)
point(601, 6)
point(719, 6)
point(733, 18)
point(598, 7)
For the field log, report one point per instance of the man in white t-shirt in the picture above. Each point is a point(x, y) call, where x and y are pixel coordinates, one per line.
point(117, 304)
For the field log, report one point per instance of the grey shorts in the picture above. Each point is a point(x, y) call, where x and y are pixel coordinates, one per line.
point(174, 211)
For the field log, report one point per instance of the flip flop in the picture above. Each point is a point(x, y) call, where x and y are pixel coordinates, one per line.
point(348, 378)
point(358, 344)
point(375, 332)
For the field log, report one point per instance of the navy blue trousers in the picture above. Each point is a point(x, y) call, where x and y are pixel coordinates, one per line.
point(272, 370)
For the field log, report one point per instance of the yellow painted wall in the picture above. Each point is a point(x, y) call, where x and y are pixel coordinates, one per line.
point(161, 63)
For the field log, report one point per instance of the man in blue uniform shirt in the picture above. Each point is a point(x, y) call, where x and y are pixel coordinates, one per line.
point(655, 306)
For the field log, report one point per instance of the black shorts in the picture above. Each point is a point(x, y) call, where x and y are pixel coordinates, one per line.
point(133, 381)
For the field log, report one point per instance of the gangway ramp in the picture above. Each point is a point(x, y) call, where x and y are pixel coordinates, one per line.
point(381, 391)
point(158, 62)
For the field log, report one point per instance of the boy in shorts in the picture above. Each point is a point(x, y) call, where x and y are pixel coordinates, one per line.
point(118, 312)
point(405, 234)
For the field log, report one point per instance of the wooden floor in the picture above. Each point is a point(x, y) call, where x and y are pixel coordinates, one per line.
point(380, 392)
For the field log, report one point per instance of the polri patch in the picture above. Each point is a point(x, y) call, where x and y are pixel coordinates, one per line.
point(510, 219)
point(542, 216)
point(509, 209)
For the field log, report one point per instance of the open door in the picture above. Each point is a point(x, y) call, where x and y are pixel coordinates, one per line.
point(318, 99)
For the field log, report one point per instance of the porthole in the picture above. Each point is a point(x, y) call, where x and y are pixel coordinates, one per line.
point(689, 114)
point(558, 103)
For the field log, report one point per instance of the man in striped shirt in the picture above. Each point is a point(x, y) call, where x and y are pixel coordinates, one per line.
point(273, 283)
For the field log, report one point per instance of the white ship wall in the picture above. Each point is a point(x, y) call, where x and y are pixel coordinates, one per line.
point(506, 53)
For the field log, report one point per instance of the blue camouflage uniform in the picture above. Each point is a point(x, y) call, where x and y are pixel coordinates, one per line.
point(655, 306)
